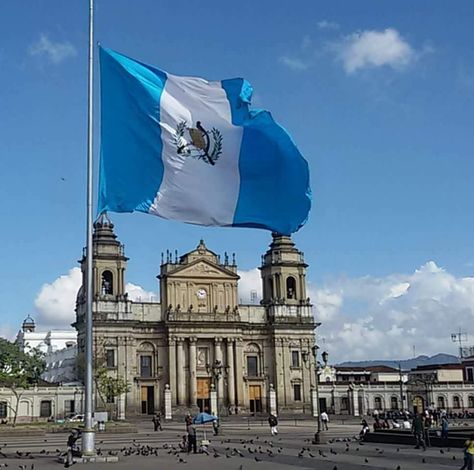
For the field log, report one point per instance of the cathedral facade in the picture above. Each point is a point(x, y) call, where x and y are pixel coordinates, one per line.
point(199, 338)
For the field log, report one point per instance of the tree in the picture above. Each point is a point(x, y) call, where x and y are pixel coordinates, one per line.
point(108, 384)
point(19, 370)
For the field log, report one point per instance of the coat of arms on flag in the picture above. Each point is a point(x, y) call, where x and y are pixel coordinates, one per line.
point(199, 143)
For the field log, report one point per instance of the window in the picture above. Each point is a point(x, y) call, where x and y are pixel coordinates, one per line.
point(456, 402)
point(344, 404)
point(69, 406)
point(470, 374)
point(3, 409)
point(295, 358)
point(357, 378)
point(45, 409)
point(441, 404)
point(394, 403)
point(110, 398)
point(297, 392)
point(145, 366)
point(110, 358)
point(378, 403)
point(290, 288)
point(107, 283)
point(252, 366)
point(470, 401)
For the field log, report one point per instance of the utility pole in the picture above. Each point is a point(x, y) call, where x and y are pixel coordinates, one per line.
point(459, 337)
point(401, 385)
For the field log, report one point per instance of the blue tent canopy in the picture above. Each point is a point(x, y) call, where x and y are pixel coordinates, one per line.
point(202, 418)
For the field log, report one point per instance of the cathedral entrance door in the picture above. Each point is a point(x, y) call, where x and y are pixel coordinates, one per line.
point(255, 397)
point(148, 400)
point(203, 394)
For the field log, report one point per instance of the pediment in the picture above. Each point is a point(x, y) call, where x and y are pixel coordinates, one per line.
point(203, 269)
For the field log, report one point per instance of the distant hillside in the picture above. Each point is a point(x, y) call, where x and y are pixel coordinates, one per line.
point(406, 364)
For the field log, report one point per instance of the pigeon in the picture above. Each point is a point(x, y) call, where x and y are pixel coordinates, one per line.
point(441, 451)
point(366, 460)
point(257, 459)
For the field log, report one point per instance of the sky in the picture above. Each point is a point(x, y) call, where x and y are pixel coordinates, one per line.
point(378, 97)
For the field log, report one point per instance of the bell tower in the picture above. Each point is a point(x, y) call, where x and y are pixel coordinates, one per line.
point(283, 273)
point(109, 262)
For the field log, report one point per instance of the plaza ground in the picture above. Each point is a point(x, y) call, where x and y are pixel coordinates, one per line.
point(237, 437)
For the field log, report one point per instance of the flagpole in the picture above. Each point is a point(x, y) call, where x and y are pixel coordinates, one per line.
point(88, 434)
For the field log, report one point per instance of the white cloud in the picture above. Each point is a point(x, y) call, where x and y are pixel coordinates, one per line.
point(55, 52)
point(55, 302)
point(250, 281)
point(369, 49)
point(293, 63)
point(325, 24)
point(138, 294)
point(373, 318)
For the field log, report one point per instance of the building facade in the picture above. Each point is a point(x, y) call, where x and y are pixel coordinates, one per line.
point(362, 390)
point(198, 338)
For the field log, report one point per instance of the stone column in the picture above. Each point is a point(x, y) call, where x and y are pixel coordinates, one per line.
point(273, 401)
point(314, 402)
point(218, 357)
point(192, 372)
point(280, 371)
point(168, 408)
point(213, 398)
point(180, 365)
point(239, 368)
point(172, 368)
point(230, 372)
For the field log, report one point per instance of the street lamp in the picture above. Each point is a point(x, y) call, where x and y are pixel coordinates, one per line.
point(319, 436)
point(216, 369)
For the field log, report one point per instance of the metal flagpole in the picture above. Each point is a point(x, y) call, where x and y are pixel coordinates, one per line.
point(88, 435)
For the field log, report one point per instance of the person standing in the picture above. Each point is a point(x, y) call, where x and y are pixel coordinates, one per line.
point(418, 431)
point(324, 421)
point(273, 422)
point(444, 427)
point(192, 444)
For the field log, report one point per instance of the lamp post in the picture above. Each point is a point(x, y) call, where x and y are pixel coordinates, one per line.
point(216, 370)
point(319, 435)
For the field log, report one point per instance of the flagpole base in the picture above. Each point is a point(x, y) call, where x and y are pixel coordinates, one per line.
point(88, 443)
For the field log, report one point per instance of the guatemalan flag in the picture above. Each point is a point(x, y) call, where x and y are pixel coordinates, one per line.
point(187, 149)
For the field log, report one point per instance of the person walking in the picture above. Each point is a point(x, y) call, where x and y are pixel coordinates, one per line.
point(157, 422)
point(273, 422)
point(468, 454)
point(418, 431)
point(324, 421)
point(192, 443)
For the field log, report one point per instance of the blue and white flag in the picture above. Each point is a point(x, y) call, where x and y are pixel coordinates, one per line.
point(187, 149)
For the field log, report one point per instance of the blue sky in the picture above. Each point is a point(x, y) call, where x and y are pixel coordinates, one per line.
point(378, 96)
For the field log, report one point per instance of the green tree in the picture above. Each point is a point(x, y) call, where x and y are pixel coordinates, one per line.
point(19, 370)
point(108, 383)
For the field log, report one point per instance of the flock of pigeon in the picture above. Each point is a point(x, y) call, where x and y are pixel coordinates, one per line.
point(255, 448)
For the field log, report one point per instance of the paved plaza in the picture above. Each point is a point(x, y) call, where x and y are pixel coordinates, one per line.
point(237, 448)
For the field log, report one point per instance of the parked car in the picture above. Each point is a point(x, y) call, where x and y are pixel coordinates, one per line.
point(75, 419)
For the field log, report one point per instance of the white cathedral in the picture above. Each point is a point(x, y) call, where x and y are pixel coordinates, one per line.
point(198, 338)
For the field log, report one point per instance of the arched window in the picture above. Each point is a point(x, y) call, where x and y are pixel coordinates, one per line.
point(378, 403)
point(456, 402)
point(3, 409)
point(290, 288)
point(45, 409)
point(146, 353)
point(394, 403)
point(441, 403)
point(107, 283)
point(270, 288)
point(470, 400)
